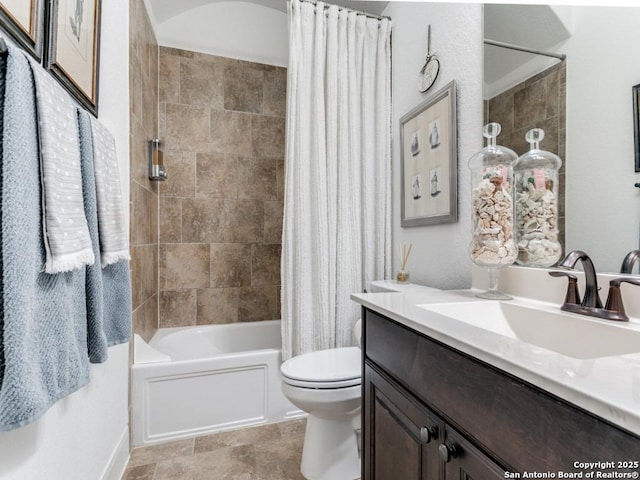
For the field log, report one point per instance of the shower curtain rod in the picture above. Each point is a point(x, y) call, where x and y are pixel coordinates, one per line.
point(368, 15)
point(495, 43)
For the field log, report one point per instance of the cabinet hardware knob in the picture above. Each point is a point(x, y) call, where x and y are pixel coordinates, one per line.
point(447, 452)
point(428, 433)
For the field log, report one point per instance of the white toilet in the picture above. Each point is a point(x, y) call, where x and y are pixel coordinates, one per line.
point(327, 386)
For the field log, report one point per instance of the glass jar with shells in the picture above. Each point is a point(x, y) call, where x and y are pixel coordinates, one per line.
point(536, 203)
point(492, 244)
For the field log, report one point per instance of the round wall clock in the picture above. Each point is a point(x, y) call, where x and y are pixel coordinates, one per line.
point(429, 72)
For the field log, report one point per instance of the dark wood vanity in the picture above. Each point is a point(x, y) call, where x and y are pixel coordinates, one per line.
point(432, 412)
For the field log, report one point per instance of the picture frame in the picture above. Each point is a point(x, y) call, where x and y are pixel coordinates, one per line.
point(23, 21)
point(429, 161)
point(636, 125)
point(73, 48)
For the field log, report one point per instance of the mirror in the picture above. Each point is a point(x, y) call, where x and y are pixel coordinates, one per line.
point(595, 135)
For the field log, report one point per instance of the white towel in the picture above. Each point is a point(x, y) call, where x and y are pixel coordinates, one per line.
point(112, 228)
point(66, 235)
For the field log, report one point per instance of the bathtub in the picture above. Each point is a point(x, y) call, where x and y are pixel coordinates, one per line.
point(198, 380)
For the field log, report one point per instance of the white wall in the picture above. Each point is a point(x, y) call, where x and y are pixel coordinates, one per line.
point(85, 435)
point(236, 29)
point(602, 205)
point(439, 256)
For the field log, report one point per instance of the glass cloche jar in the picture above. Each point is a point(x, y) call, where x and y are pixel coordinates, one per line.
point(536, 202)
point(492, 244)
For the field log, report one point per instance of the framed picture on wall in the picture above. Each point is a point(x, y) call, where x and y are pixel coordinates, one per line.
point(73, 51)
point(429, 161)
point(23, 20)
point(636, 125)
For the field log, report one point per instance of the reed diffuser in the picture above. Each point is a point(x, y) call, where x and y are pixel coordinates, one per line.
point(403, 255)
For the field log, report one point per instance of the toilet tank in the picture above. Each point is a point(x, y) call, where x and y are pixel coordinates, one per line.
point(393, 286)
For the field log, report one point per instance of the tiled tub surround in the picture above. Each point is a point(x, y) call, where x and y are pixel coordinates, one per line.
point(143, 78)
point(222, 122)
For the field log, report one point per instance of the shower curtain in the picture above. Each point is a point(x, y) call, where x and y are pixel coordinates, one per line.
point(337, 215)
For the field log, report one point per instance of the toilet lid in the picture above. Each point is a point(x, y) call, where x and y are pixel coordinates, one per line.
point(331, 368)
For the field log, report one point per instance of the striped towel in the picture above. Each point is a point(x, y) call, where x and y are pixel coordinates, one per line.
point(67, 241)
point(114, 242)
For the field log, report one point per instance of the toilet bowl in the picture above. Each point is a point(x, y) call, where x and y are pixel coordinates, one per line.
point(327, 386)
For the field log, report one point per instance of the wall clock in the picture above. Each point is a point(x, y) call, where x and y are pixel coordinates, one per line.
point(429, 72)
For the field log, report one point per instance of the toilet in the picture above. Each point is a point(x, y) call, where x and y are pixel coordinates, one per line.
point(326, 384)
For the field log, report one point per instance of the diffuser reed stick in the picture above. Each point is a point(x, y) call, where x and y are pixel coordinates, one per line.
point(403, 255)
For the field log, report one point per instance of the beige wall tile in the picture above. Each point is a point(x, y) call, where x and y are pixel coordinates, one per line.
point(169, 79)
point(145, 318)
point(181, 170)
point(217, 306)
point(275, 93)
point(267, 136)
point(230, 265)
point(273, 218)
point(170, 220)
point(144, 217)
point(216, 175)
point(184, 266)
point(206, 220)
point(177, 308)
point(231, 133)
point(246, 221)
point(243, 89)
point(187, 127)
point(259, 303)
point(257, 178)
point(139, 168)
point(201, 83)
point(280, 178)
point(265, 264)
point(177, 52)
point(144, 271)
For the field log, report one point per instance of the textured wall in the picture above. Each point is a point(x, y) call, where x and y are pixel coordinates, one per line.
point(538, 102)
point(439, 256)
point(222, 125)
point(143, 79)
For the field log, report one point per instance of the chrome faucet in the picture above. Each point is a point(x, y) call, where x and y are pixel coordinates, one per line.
point(591, 297)
point(628, 262)
point(591, 304)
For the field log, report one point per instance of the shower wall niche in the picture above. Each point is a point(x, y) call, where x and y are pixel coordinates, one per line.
point(222, 123)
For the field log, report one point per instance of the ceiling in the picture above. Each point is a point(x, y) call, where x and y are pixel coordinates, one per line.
point(539, 27)
point(163, 10)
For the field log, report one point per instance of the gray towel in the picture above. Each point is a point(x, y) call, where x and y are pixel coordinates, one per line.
point(108, 288)
point(67, 241)
point(114, 244)
point(43, 355)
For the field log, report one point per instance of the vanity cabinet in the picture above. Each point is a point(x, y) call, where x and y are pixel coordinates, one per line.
point(432, 412)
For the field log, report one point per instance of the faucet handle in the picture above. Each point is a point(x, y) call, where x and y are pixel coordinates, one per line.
point(573, 295)
point(614, 304)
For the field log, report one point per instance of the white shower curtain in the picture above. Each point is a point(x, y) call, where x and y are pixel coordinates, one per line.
point(337, 216)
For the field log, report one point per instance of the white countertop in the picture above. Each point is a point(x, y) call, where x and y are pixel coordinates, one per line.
point(608, 387)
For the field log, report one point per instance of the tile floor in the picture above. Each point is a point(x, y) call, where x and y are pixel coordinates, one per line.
point(267, 452)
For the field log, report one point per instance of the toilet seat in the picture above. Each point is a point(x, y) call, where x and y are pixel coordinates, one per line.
point(324, 369)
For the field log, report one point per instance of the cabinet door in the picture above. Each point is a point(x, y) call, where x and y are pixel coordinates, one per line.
point(463, 461)
point(401, 436)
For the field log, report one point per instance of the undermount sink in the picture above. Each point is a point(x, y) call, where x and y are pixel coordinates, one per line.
point(568, 334)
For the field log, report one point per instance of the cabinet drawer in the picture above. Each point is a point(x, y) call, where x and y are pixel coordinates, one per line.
point(515, 422)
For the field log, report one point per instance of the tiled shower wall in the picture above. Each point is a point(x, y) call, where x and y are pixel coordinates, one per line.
point(222, 125)
point(538, 102)
point(143, 78)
